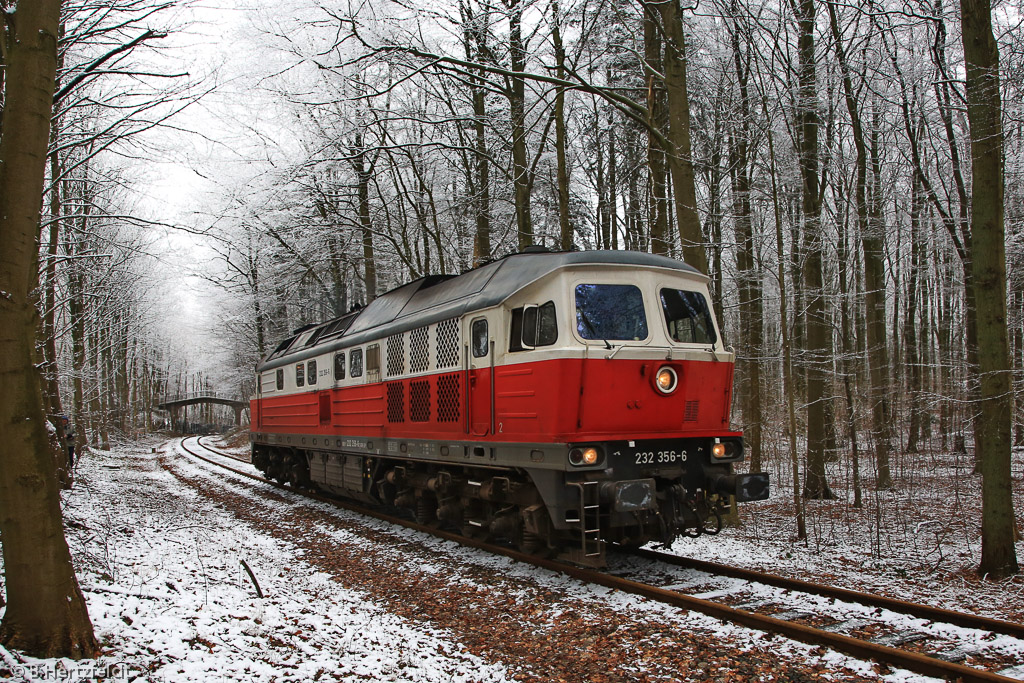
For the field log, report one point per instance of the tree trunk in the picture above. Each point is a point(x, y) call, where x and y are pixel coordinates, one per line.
point(46, 614)
point(681, 159)
point(656, 125)
point(77, 315)
point(847, 364)
point(564, 225)
point(517, 114)
point(749, 285)
point(602, 238)
point(482, 242)
point(873, 242)
point(363, 176)
point(819, 333)
point(913, 349)
point(51, 387)
point(872, 231)
point(988, 264)
point(787, 349)
point(613, 187)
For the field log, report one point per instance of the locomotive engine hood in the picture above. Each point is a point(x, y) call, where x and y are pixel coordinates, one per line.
point(439, 297)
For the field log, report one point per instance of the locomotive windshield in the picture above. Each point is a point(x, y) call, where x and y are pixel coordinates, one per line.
point(688, 317)
point(610, 312)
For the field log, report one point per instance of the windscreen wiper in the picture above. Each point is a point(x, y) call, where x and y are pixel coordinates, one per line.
point(590, 326)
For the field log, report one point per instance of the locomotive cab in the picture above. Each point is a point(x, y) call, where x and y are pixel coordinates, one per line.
point(627, 366)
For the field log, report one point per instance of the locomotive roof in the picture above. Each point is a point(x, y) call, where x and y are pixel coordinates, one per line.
point(439, 297)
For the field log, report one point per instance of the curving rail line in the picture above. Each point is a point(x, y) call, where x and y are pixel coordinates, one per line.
point(857, 647)
point(938, 614)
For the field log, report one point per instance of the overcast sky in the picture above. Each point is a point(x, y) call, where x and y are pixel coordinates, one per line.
point(208, 148)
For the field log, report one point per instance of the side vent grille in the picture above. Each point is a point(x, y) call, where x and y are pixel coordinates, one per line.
point(448, 398)
point(419, 400)
point(396, 355)
point(396, 402)
point(419, 359)
point(690, 412)
point(448, 343)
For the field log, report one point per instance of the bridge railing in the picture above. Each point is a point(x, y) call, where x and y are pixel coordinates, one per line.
point(201, 395)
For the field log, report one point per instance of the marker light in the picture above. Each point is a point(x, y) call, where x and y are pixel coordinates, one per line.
point(666, 380)
point(584, 456)
point(727, 449)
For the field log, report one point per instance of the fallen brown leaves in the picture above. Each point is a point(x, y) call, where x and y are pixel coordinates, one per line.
point(536, 633)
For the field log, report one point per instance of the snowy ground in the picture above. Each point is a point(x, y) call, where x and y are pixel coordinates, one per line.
point(159, 538)
point(918, 541)
point(160, 566)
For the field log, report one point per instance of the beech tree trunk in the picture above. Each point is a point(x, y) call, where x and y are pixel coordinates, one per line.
point(818, 331)
point(564, 224)
point(749, 283)
point(363, 176)
point(517, 112)
point(46, 614)
point(656, 123)
point(684, 188)
point(988, 266)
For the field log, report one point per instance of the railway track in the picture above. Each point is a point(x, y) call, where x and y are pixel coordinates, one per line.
point(219, 451)
point(936, 642)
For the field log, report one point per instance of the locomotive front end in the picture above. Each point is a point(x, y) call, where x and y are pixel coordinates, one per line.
point(661, 489)
point(655, 389)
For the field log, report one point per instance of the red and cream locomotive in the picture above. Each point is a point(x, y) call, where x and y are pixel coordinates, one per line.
point(557, 400)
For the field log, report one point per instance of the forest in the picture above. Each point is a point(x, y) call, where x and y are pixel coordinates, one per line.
point(814, 158)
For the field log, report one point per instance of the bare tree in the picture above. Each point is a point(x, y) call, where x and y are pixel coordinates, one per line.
point(46, 614)
point(988, 263)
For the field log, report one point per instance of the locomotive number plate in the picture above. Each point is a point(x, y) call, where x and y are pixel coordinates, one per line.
point(659, 457)
point(649, 452)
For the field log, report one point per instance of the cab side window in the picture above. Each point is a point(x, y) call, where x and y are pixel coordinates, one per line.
point(300, 375)
point(533, 326)
point(480, 338)
point(688, 317)
point(311, 373)
point(339, 365)
point(373, 363)
point(280, 379)
point(356, 362)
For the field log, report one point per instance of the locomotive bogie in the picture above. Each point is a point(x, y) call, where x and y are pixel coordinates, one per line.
point(559, 401)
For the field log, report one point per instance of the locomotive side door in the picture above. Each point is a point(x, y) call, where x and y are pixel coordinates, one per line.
point(481, 378)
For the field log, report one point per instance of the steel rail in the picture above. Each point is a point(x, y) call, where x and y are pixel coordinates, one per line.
point(946, 616)
point(862, 649)
point(219, 451)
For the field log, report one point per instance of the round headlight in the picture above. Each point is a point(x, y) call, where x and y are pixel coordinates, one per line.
point(590, 456)
point(718, 450)
point(666, 380)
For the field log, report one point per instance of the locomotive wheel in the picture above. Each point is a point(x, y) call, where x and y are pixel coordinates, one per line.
point(473, 531)
point(426, 511)
point(284, 469)
point(298, 475)
point(529, 543)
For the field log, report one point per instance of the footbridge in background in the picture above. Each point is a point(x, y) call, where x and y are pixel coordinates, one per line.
point(174, 404)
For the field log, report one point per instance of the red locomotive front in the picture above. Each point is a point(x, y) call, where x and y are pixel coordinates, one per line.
point(559, 400)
